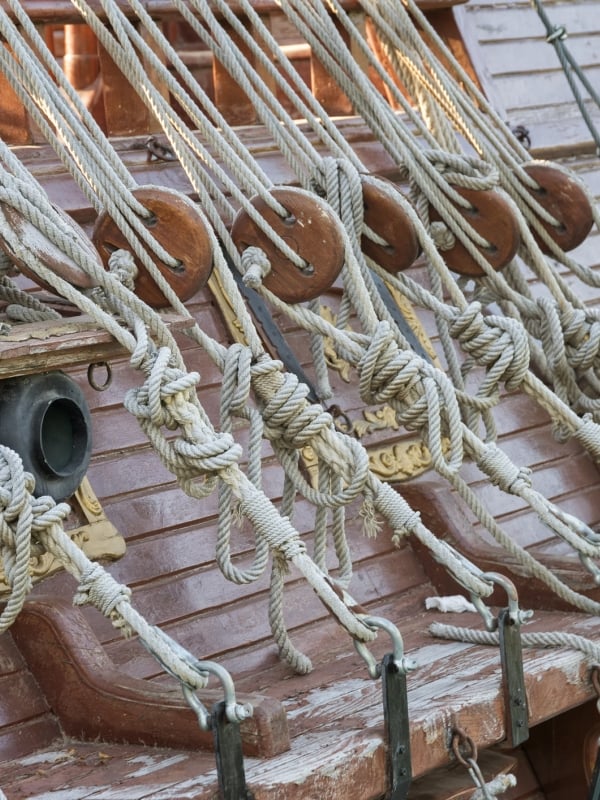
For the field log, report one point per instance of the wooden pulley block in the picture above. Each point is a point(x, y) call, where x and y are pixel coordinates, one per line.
point(311, 229)
point(493, 219)
point(48, 253)
point(178, 226)
point(387, 218)
point(563, 197)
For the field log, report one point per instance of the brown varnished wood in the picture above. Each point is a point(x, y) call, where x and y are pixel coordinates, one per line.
point(491, 216)
point(80, 61)
point(387, 218)
point(50, 255)
point(124, 112)
point(562, 196)
point(62, 11)
point(557, 752)
point(15, 124)
point(227, 91)
point(94, 699)
point(311, 230)
point(26, 722)
point(179, 227)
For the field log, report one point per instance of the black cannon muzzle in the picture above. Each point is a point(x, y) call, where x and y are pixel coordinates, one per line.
point(45, 419)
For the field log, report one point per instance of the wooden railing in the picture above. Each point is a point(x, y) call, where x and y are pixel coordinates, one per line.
point(114, 102)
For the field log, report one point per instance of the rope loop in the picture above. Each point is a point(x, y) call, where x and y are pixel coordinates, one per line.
point(237, 380)
point(469, 172)
point(442, 236)
point(122, 266)
point(255, 266)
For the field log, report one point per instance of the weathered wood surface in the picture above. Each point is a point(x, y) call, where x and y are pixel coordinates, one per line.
point(521, 72)
point(336, 724)
point(42, 346)
point(218, 620)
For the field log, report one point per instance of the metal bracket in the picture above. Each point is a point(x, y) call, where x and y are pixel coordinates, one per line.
point(395, 716)
point(229, 757)
point(511, 657)
point(224, 720)
point(393, 670)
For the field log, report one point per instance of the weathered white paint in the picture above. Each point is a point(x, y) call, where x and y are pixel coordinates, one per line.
point(153, 764)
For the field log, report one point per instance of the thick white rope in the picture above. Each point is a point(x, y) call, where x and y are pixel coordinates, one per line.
point(324, 38)
point(167, 399)
point(544, 639)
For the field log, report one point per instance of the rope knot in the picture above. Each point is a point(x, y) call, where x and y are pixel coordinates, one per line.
point(207, 458)
point(122, 266)
point(46, 513)
point(98, 588)
point(385, 371)
point(289, 418)
point(469, 172)
point(499, 344)
point(162, 399)
point(255, 266)
point(582, 337)
point(442, 236)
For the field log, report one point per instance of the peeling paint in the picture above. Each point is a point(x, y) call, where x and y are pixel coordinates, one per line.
point(153, 765)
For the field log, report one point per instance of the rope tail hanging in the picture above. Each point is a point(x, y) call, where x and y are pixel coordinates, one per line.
point(570, 529)
point(385, 500)
point(168, 399)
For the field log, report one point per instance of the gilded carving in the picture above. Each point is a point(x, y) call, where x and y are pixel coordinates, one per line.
point(341, 366)
point(97, 537)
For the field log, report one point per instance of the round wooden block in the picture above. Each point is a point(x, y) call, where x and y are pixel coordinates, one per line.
point(493, 219)
point(49, 254)
point(178, 226)
point(561, 196)
point(387, 218)
point(312, 230)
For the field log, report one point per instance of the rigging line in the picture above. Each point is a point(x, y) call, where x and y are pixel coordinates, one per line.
point(556, 35)
point(478, 115)
point(562, 292)
point(329, 453)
